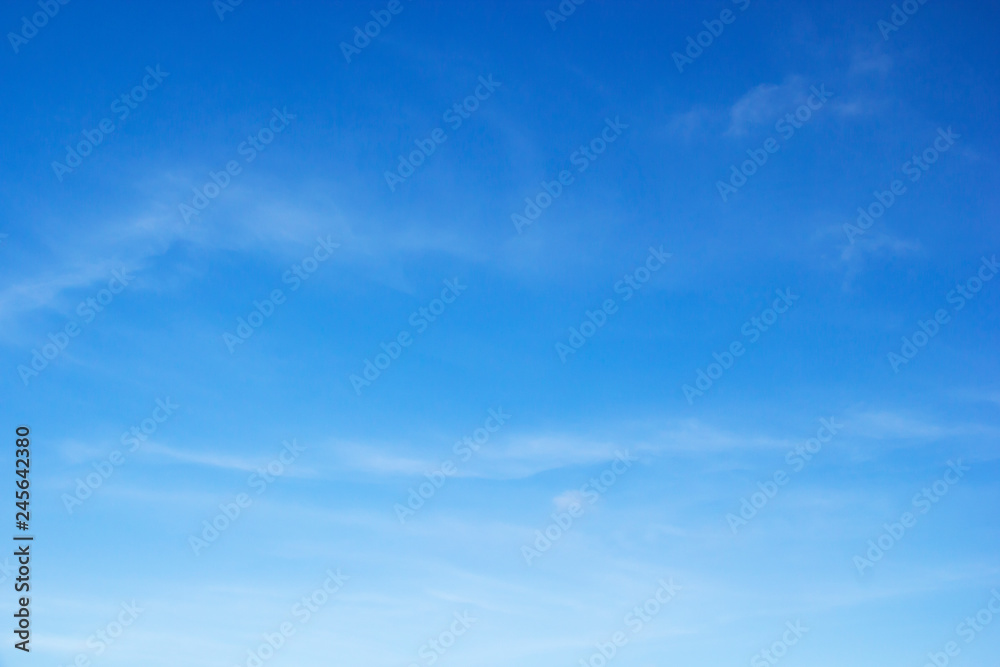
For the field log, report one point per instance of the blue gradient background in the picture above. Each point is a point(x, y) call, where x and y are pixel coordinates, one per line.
point(495, 346)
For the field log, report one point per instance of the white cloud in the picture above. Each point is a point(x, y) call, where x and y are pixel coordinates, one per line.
point(871, 246)
point(764, 104)
point(207, 459)
point(885, 424)
point(871, 60)
point(688, 123)
point(567, 499)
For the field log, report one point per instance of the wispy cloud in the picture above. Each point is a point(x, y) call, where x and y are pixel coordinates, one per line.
point(207, 459)
point(886, 424)
point(764, 103)
point(871, 60)
point(871, 247)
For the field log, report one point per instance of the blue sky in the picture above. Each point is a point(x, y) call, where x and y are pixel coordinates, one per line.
point(215, 301)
